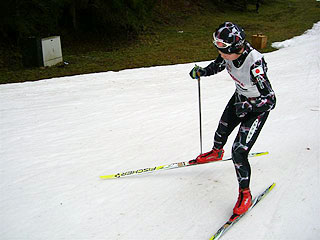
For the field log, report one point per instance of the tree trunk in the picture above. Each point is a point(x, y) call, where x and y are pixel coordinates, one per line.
point(73, 13)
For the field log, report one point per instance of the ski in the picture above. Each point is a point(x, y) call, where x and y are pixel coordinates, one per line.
point(229, 223)
point(167, 167)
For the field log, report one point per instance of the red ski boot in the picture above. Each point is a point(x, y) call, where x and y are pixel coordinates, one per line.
point(213, 155)
point(243, 204)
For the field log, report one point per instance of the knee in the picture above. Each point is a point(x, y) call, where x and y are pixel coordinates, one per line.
point(239, 151)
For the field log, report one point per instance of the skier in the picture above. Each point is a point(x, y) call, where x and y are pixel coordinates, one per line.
point(249, 106)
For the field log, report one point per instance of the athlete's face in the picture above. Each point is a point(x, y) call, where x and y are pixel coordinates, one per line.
point(230, 57)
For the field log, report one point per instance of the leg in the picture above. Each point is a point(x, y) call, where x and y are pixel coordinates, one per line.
point(227, 124)
point(248, 133)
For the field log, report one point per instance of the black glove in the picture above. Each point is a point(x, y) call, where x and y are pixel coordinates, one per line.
point(242, 108)
point(197, 72)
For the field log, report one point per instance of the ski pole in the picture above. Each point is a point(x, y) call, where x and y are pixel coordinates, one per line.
point(200, 119)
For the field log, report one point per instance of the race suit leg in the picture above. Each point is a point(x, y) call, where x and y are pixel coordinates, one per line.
point(227, 124)
point(248, 133)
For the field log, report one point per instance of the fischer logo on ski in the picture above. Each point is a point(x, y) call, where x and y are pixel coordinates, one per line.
point(135, 172)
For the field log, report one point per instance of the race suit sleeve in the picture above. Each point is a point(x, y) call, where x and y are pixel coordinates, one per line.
point(216, 66)
point(267, 100)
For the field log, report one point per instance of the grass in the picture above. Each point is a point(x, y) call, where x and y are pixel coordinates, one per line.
point(174, 37)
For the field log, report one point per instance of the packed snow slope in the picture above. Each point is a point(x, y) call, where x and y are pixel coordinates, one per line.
point(59, 135)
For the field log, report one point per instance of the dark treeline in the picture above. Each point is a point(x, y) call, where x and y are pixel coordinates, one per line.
point(40, 18)
point(23, 18)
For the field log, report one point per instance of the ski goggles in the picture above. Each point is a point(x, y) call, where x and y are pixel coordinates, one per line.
point(220, 43)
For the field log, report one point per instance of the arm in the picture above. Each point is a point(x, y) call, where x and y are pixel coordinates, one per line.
point(267, 100)
point(216, 66)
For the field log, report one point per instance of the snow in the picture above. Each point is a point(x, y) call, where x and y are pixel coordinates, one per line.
point(57, 136)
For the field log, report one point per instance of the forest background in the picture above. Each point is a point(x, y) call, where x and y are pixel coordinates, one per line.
point(111, 35)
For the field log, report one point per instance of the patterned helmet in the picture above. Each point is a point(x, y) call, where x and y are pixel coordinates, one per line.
point(229, 38)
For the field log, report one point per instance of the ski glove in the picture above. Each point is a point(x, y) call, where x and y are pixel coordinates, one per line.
point(197, 72)
point(242, 108)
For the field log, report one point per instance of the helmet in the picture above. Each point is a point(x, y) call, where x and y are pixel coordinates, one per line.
point(229, 38)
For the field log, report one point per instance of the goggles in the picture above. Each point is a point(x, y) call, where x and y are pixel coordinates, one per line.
point(220, 43)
